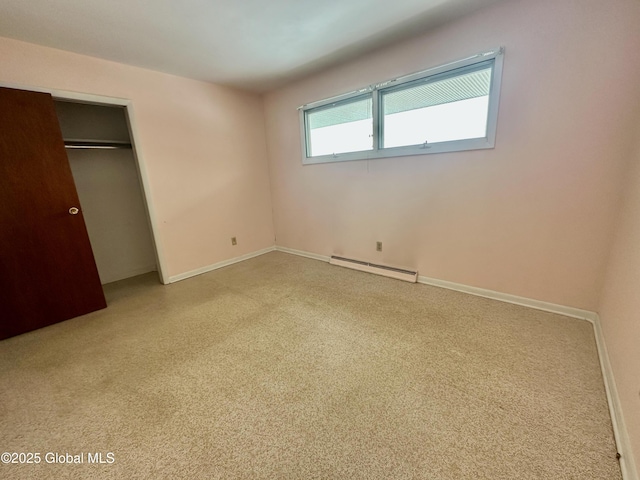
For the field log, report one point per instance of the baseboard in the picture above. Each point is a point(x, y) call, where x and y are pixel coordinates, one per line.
point(514, 299)
point(300, 253)
point(627, 462)
point(215, 266)
point(480, 292)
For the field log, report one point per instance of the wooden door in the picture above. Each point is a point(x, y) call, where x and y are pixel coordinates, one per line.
point(47, 270)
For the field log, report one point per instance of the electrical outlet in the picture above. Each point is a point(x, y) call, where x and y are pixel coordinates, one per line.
point(379, 246)
point(234, 241)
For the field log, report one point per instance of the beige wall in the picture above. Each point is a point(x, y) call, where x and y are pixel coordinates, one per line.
point(203, 146)
point(532, 217)
point(620, 303)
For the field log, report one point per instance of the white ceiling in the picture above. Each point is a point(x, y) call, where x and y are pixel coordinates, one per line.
point(251, 44)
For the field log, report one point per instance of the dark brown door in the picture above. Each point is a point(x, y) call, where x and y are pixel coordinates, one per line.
point(47, 270)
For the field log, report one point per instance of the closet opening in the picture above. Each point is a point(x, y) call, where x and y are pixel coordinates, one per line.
point(101, 152)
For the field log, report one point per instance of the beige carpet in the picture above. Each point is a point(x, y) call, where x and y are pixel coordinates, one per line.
point(285, 367)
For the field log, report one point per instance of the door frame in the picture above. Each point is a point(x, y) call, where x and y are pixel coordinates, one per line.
point(152, 216)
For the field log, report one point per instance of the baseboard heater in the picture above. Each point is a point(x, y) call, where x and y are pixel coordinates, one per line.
point(398, 273)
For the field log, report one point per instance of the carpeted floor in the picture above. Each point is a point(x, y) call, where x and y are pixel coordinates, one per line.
point(285, 367)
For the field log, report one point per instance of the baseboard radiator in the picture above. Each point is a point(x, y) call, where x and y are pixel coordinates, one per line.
point(398, 273)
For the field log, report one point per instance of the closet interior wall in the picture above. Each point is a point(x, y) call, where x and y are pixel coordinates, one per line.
point(109, 189)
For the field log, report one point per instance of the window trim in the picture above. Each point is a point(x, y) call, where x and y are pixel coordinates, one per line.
point(496, 54)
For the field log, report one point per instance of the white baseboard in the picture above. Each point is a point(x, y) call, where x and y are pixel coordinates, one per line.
point(215, 266)
point(480, 292)
point(300, 253)
point(627, 462)
point(514, 299)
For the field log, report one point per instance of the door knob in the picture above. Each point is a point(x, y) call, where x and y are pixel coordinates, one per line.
point(73, 210)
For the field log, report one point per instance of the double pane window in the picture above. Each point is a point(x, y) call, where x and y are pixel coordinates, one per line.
point(439, 110)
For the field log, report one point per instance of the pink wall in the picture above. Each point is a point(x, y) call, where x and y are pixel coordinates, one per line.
point(620, 304)
point(535, 217)
point(203, 146)
point(532, 217)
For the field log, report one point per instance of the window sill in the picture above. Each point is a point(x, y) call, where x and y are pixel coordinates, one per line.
point(412, 150)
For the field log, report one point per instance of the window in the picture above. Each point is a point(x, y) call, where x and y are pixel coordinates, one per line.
point(341, 127)
point(449, 108)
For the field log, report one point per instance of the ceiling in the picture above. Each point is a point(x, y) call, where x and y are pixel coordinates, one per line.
point(252, 44)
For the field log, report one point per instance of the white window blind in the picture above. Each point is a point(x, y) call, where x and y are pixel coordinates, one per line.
point(440, 109)
point(342, 127)
point(427, 94)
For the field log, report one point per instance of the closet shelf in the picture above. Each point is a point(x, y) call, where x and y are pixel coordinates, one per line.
point(96, 144)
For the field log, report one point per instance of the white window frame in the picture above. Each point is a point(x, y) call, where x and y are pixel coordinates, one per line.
point(496, 55)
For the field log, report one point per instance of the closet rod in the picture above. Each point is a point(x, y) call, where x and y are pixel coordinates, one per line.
point(96, 144)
